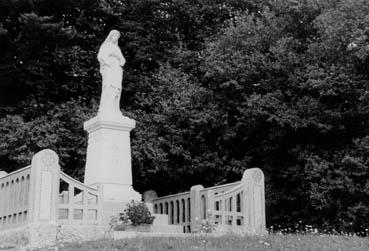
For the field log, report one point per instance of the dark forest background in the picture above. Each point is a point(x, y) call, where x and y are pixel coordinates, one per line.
point(216, 86)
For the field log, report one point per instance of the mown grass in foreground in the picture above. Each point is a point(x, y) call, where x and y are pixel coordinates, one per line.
point(226, 243)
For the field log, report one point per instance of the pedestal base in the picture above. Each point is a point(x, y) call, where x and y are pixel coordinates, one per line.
point(109, 152)
point(108, 163)
point(119, 193)
point(115, 199)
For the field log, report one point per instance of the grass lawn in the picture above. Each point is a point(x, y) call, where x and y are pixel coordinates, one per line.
point(226, 243)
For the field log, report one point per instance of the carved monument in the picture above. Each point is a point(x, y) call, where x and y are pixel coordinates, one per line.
point(108, 162)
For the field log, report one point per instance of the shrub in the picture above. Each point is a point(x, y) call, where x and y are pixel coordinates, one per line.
point(136, 213)
point(206, 225)
point(117, 224)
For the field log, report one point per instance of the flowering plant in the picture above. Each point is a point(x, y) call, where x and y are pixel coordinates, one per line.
point(206, 225)
point(136, 214)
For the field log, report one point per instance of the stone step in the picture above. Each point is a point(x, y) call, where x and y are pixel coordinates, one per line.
point(167, 228)
point(161, 219)
point(161, 225)
point(119, 235)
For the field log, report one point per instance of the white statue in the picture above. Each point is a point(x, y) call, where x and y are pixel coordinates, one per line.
point(111, 62)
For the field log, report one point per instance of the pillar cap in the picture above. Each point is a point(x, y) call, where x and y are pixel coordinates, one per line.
point(3, 174)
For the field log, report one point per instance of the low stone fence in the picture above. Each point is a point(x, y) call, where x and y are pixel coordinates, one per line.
point(177, 207)
point(14, 197)
point(77, 202)
point(40, 204)
point(235, 207)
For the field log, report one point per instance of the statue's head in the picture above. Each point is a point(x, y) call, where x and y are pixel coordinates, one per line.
point(113, 37)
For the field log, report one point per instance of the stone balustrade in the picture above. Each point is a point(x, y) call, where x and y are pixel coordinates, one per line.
point(40, 203)
point(242, 208)
point(177, 207)
point(78, 202)
point(237, 207)
point(14, 198)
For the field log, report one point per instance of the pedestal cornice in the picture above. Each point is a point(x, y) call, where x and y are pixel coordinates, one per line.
point(115, 123)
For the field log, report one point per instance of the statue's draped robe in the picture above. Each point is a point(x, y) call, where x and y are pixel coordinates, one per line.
point(111, 62)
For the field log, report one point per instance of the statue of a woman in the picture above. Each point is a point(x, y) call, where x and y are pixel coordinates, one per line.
point(111, 62)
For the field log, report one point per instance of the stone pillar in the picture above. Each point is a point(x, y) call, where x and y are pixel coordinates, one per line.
point(108, 162)
point(44, 186)
point(44, 191)
point(148, 197)
point(195, 206)
point(254, 201)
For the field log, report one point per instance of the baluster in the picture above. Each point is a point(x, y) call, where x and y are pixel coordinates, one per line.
point(27, 190)
point(11, 201)
point(84, 195)
point(8, 198)
point(1, 204)
point(15, 196)
point(234, 210)
point(223, 210)
point(7, 195)
point(71, 201)
point(180, 217)
point(175, 216)
point(18, 195)
point(241, 202)
point(21, 195)
point(189, 210)
point(171, 213)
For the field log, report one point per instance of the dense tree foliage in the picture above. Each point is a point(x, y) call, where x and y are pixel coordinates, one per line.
point(215, 87)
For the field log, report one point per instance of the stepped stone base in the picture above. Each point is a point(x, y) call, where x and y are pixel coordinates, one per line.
point(119, 235)
point(161, 219)
point(175, 229)
point(161, 225)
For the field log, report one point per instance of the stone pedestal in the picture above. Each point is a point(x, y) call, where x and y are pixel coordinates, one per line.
point(108, 163)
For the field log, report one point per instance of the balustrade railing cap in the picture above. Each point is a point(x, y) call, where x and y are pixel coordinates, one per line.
point(3, 174)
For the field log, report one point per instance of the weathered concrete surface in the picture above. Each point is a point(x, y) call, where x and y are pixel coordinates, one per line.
point(14, 237)
point(45, 235)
